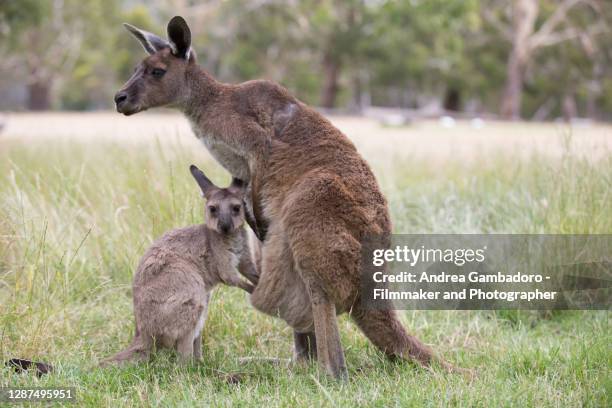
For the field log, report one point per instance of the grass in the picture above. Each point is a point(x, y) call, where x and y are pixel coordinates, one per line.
point(76, 217)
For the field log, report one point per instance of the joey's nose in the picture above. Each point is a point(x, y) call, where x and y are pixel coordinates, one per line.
point(120, 97)
point(224, 228)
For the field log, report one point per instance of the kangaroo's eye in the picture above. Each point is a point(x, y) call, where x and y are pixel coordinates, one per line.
point(158, 72)
point(212, 209)
point(236, 209)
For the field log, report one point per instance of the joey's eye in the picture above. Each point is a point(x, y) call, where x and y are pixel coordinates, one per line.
point(212, 209)
point(158, 72)
point(236, 209)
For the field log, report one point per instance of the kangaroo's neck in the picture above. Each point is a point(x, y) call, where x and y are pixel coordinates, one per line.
point(209, 106)
point(203, 91)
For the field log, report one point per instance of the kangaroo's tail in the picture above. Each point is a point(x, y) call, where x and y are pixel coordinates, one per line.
point(139, 350)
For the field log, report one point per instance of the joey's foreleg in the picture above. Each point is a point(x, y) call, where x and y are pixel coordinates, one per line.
point(247, 268)
point(239, 283)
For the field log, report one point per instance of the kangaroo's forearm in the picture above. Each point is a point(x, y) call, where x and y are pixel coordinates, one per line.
point(241, 134)
point(248, 269)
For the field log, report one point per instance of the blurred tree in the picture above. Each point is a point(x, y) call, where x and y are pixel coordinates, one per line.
point(536, 24)
point(313, 39)
point(15, 19)
point(419, 51)
point(333, 32)
point(46, 45)
point(90, 81)
point(430, 55)
point(17, 16)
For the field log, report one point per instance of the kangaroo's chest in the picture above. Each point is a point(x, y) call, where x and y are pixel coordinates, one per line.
point(222, 259)
point(223, 153)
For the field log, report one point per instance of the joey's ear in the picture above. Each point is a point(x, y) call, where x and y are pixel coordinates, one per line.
point(180, 37)
point(149, 41)
point(238, 186)
point(205, 184)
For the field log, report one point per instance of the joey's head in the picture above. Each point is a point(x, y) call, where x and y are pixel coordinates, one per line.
point(160, 79)
point(224, 206)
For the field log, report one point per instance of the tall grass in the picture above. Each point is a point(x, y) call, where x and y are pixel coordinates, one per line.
point(75, 218)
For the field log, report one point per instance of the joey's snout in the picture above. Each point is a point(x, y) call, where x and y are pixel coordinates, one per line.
point(225, 225)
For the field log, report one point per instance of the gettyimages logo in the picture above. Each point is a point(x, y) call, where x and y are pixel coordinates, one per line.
point(488, 272)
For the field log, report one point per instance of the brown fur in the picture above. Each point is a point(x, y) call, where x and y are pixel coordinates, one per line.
point(176, 275)
point(314, 198)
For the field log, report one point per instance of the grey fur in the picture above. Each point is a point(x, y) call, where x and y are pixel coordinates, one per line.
point(150, 42)
point(177, 274)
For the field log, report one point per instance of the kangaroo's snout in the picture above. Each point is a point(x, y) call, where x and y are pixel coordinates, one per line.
point(125, 104)
point(120, 98)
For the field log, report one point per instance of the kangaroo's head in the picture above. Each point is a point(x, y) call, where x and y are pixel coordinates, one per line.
point(224, 206)
point(160, 79)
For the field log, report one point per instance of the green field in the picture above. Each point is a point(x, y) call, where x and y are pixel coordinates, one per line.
point(76, 216)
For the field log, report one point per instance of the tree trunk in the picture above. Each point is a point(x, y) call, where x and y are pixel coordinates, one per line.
point(523, 21)
point(511, 101)
point(357, 93)
point(331, 69)
point(570, 110)
point(594, 90)
point(452, 100)
point(39, 96)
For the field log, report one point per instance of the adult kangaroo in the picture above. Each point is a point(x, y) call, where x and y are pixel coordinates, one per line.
point(314, 199)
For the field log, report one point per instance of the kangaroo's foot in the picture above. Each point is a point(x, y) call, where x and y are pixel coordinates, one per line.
point(329, 348)
point(139, 351)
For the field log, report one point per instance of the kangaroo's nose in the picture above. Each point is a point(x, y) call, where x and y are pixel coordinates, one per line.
point(120, 97)
point(225, 228)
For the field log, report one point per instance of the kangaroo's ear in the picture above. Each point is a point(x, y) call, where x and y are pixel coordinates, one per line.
point(205, 184)
point(238, 186)
point(180, 37)
point(149, 41)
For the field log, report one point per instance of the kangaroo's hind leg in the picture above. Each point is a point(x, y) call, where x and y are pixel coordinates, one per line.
point(192, 313)
point(197, 341)
point(329, 347)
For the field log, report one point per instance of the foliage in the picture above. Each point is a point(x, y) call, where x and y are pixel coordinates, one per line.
point(412, 54)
